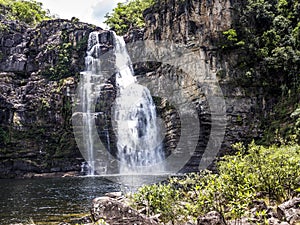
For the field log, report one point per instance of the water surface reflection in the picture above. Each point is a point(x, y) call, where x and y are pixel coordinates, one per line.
point(49, 199)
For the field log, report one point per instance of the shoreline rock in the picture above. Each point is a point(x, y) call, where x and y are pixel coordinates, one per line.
point(50, 175)
point(113, 210)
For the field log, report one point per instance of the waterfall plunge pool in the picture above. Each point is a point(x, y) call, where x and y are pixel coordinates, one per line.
point(53, 200)
point(50, 200)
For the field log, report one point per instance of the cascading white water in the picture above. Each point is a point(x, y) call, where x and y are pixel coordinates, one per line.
point(138, 136)
point(90, 89)
point(137, 133)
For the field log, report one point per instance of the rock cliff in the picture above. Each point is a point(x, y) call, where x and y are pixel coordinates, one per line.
point(39, 71)
point(197, 27)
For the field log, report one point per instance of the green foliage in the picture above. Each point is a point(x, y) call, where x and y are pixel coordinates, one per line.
point(128, 15)
point(62, 64)
point(61, 68)
point(3, 27)
point(282, 126)
point(158, 199)
point(269, 30)
point(273, 172)
point(231, 39)
point(27, 11)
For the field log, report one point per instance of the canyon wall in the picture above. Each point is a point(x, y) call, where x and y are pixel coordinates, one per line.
point(196, 26)
point(40, 68)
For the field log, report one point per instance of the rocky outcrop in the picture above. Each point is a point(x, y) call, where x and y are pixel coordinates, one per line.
point(114, 211)
point(287, 213)
point(290, 211)
point(194, 28)
point(188, 20)
point(39, 71)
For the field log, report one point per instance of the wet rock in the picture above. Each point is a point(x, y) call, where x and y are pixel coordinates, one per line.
point(187, 20)
point(35, 105)
point(117, 213)
point(195, 25)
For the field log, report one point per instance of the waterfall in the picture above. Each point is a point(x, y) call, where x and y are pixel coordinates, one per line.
point(134, 117)
point(91, 87)
point(138, 136)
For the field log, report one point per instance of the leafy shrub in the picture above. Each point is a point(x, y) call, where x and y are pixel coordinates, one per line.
point(158, 199)
point(28, 11)
point(127, 15)
point(272, 172)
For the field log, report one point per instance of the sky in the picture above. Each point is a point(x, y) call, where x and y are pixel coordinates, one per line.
point(90, 11)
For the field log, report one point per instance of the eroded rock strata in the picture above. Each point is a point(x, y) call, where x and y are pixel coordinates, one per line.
point(39, 73)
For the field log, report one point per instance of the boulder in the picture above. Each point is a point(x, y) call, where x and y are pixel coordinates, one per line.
point(290, 211)
point(116, 212)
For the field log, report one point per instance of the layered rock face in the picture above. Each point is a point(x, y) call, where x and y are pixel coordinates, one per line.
point(203, 76)
point(184, 21)
point(39, 71)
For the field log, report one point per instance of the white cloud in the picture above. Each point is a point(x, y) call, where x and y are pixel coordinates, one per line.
point(90, 11)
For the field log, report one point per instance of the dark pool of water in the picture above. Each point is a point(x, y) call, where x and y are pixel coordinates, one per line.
point(49, 200)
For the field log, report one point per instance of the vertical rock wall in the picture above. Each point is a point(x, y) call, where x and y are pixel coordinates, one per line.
point(39, 68)
point(39, 72)
point(197, 26)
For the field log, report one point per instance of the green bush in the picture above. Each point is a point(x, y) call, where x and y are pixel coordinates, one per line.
point(158, 199)
point(28, 11)
point(273, 173)
point(127, 15)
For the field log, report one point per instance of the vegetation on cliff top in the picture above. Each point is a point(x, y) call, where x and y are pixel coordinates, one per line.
point(127, 15)
point(271, 174)
point(30, 12)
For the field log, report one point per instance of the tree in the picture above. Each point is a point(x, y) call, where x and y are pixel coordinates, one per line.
point(28, 11)
point(127, 15)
